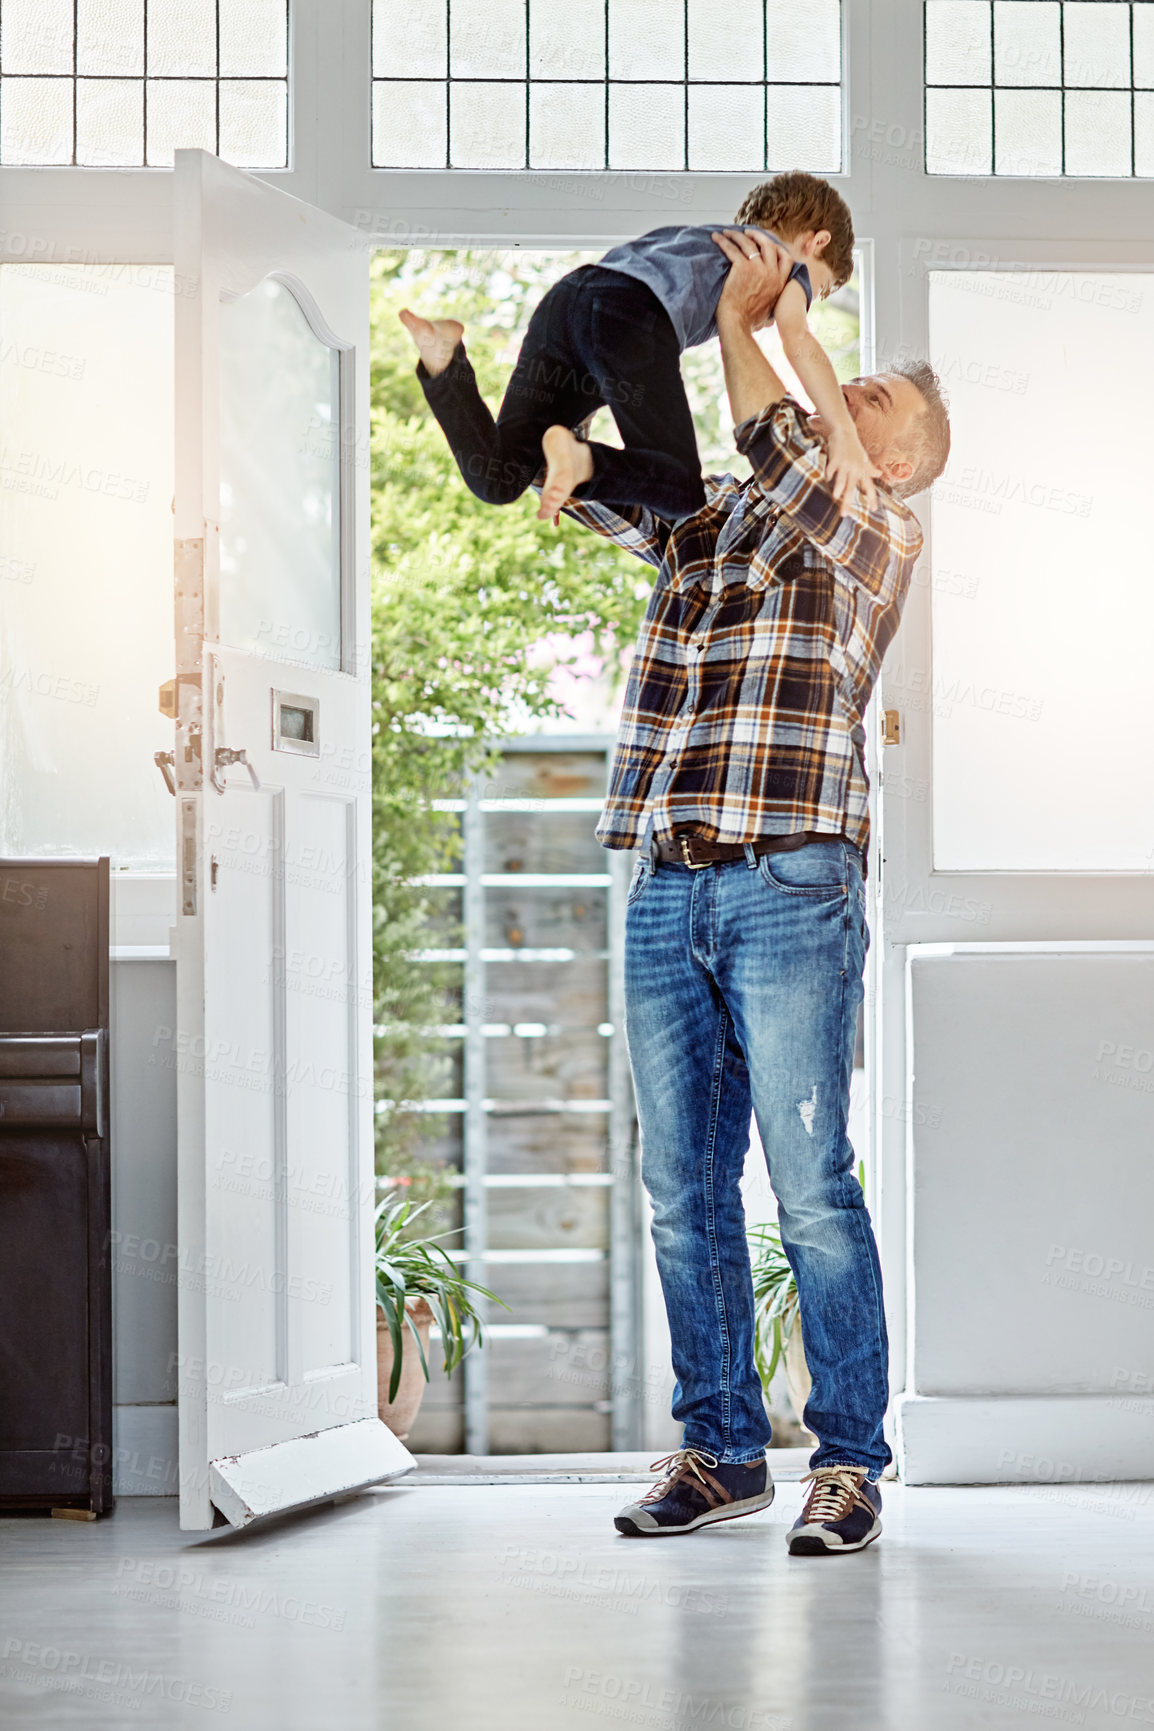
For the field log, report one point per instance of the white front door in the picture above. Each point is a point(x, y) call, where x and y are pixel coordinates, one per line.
point(278, 1384)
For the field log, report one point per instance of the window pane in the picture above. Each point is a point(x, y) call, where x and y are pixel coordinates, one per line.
point(110, 40)
point(181, 116)
point(1144, 47)
point(713, 53)
point(279, 481)
point(567, 125)
point(567, 39)
point(37, 36)
point(647, 133)
point(802, 42)
point(487, 126)
point(487, 40)
point(1144, 133)
point(85, 559)
point(725, 126)
point(1097, 132)
point(409, 41)
point(253, 38)
point(646, 40)
point(957, 42)
point(36, 120)
point(958, 132)
point(1048, 625)
point(110, 122)
point(1096, 45)
point(1027, 42)
point(182, 38)
point(1028, 127)
point(409, 125)
point(253, 122)
point(804, 125)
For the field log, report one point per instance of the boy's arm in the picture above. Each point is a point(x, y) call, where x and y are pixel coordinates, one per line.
point(873, 547)
point(848, 465)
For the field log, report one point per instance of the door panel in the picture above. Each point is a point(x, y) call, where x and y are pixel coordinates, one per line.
point(277, 1312)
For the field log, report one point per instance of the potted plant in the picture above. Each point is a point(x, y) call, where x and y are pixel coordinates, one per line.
point(777, 1317)
point(417, 1284)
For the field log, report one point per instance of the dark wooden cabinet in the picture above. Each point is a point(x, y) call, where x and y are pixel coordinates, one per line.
point(55, 1224)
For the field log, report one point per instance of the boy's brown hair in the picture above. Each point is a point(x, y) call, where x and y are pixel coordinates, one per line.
point(797, 203)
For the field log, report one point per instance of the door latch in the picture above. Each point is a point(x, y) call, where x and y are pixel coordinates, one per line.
point(165, 762)
point(891, 727)
point(223, 756)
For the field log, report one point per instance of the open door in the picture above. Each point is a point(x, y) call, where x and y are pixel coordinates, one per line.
point(278, 1382)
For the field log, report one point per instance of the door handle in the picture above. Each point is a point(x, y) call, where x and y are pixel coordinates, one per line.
point(164, 761)
point(222, 757)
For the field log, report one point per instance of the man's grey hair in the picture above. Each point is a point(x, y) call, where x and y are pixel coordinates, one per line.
point(927, 442)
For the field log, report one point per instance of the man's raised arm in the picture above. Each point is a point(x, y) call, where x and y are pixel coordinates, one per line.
point(872, 545)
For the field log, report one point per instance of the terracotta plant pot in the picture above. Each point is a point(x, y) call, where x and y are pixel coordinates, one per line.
point(798, 1381)
point(400, 1414)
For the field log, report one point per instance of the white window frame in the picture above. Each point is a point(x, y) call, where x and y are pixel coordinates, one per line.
point(910, 223)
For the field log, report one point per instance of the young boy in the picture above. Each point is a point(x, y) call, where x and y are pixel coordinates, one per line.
point(613, 333)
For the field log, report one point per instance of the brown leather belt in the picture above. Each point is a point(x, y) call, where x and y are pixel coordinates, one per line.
point(692, 851)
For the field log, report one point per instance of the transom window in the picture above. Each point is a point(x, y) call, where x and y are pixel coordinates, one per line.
point(1040, 87)
point(607, 84)
point(123, 83)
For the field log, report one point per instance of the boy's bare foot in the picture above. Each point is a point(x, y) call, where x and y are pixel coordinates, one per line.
point(435, 338)
point(568, 462)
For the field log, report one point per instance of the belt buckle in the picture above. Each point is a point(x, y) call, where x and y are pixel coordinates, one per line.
point(683, 842)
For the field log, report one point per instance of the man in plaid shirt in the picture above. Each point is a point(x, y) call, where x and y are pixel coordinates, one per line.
point(739, 772)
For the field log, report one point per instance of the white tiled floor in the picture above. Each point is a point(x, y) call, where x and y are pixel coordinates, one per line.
point(506, 1606)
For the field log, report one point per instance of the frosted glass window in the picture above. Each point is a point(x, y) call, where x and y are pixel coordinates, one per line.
point(409, 125)
point(122, 83)
point(86, 637)
point(607, 84)
point(725, 125)
point(110, 39)
point(803, 43)
point(1083, 60)
point(958, 42)
point(1096, 46)
point(487, 126)
point(567, 39)
point(1027, 42)
point(1028, 131)
point(487, 39)
point(803, 124)
point(181, 111)
point(1144, 132)
point(280, 567)
point(566, 126)
point(1041, 634)
point(37, 36)
point(109, 122)
point(647, 40)
point(1144, 47)
point(36, 122)
point(649, 135)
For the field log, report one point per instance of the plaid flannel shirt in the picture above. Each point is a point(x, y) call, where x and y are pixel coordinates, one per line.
point(760, 646)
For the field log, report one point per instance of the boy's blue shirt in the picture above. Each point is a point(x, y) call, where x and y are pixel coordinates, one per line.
point(686, 271)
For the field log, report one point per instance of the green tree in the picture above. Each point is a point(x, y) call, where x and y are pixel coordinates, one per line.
point(461, 592)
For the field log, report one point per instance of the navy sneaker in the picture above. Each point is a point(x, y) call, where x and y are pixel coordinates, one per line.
point(841, 1513)
point(694, 1492)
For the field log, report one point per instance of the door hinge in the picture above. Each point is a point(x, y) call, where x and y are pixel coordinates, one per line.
point(891, 727)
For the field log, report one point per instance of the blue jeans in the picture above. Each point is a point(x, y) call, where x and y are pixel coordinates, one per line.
point(742, 986)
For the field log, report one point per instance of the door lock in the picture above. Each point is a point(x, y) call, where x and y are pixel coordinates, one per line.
point(223, 756)
point(891, 727)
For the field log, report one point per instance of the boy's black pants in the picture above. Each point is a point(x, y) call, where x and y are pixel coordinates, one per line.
point(597, 338)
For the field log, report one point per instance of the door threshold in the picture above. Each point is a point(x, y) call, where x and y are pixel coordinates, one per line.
point(609, 1468)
